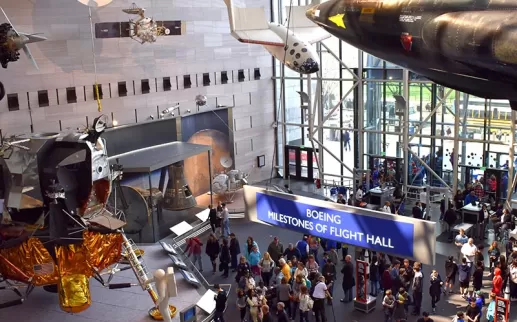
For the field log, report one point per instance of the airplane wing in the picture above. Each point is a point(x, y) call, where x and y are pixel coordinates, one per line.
point(9, 21)
point(27, 52)
point(302, 27)
point(250, 25)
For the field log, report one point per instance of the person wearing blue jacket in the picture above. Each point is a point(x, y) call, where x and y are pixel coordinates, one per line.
point(254, 260)
point(470, 197)
point(303, 247)
point(490, 312)
point(248, 247)
point(329, 244)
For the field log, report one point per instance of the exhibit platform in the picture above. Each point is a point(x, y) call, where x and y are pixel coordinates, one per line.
point(117, 305)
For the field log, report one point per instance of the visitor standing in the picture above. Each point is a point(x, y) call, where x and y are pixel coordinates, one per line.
point(319, 293)
point(224, 258)
point(235, 250)
point(275, 249)
point(417, 288)
point(348, 280)
point(212, 217)
point(266, 268)
point(194, 250)
point(226, 220)
point(435, 289)
point(212, 250)
point(220, 303)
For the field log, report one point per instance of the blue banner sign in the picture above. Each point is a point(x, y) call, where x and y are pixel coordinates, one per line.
point(378, 234)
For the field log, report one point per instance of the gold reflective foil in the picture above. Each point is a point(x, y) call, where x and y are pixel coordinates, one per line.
point(74, 293)
point(155, 314)
point(75, 271)
point(31, 258)
point(102, 250)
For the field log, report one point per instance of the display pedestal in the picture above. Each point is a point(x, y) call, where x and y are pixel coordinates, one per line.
point(367, 306)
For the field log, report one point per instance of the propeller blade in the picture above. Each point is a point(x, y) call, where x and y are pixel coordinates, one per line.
point(9, 21)
point(27, 52)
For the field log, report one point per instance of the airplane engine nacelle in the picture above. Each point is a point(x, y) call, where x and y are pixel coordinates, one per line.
point(472, 36)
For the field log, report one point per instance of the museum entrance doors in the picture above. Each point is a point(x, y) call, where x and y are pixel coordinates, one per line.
point(301, 162)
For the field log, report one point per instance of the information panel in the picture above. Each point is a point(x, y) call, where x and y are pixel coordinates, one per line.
point(391, 234)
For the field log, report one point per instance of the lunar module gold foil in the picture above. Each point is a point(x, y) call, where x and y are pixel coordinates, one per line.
point(75, 271)
point(74, 293)
point(31, 258)
point(102, 250)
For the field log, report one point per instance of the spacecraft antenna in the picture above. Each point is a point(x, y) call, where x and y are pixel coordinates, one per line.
point(226, 161)
point(95, 3)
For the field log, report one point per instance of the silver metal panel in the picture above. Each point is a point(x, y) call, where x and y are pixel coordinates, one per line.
point(424, 241)
point(158, 156)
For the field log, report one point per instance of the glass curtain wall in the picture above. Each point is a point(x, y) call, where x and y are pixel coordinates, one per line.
point(347, 112)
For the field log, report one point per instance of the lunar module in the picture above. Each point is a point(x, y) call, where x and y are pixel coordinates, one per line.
point(56, 230)
point(144, 29)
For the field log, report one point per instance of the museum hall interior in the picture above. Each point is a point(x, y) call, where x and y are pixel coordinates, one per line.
point(258, 160)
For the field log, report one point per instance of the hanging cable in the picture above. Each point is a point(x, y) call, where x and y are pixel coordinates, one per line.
point(282, 94)
point(96, 86)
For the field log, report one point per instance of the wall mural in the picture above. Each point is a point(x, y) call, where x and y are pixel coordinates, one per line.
point(210, 128)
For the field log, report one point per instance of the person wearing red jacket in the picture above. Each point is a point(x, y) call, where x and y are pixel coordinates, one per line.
point(386, 281)
point(497, 282)
point(194, 250)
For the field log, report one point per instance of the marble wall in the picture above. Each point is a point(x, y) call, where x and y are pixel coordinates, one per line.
point(66, 62)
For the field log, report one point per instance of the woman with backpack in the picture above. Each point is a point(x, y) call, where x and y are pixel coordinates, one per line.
point(306, 304)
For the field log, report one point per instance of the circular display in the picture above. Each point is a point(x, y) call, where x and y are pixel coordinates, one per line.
point(133, 206)
point(95, 3)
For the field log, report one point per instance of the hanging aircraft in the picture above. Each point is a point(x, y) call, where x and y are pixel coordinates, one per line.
point(464, 45)
point(12, 41)
point(291, 43)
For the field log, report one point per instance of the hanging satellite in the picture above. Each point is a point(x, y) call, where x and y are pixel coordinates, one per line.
point(95, 3)
point(144, 29)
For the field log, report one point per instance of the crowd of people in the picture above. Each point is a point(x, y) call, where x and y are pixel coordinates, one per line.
point(298, 281)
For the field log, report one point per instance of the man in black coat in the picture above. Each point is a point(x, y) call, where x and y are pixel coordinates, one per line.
point(212, 216)
point(348, 279)
point(220, 304)
point(290, 252)
point(417, 211)
point(266, 315)
point(235, 250)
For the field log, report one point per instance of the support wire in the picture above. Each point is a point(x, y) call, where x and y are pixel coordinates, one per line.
point(99, 105)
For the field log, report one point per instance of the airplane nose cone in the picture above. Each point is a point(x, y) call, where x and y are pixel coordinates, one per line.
point(313, 13)
point(35, 38)
point(309, 66)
